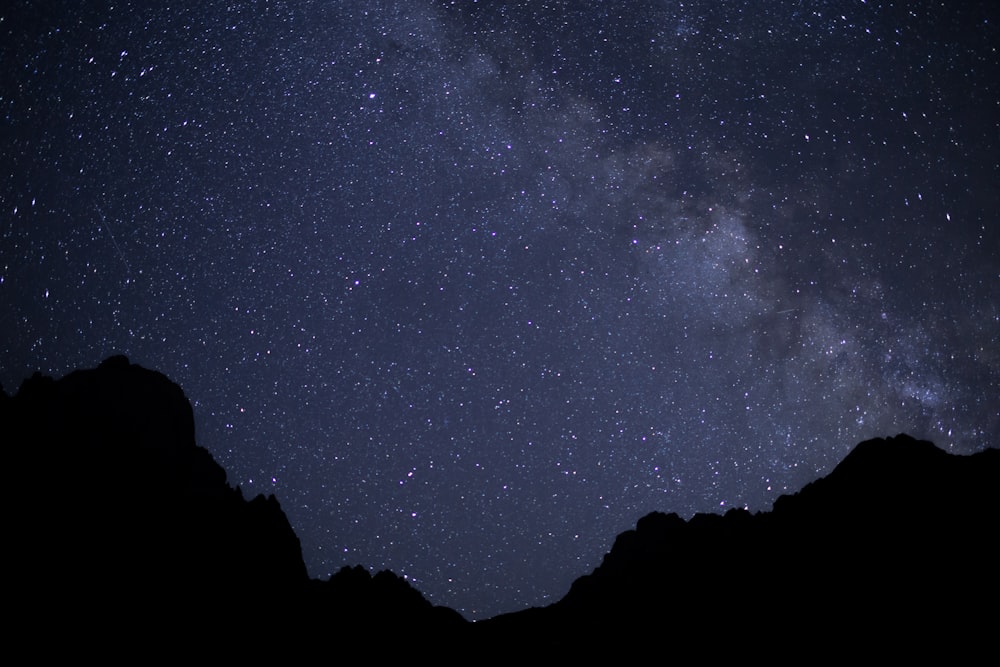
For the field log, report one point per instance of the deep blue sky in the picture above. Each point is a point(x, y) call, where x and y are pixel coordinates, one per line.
point(471, 287)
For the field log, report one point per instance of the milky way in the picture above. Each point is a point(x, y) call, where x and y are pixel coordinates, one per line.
point(471, 287)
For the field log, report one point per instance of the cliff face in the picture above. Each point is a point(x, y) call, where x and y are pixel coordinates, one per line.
point(119, 524)
point(119, 519)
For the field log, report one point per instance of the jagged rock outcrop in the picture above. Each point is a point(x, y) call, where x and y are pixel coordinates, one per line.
point(118, 523)
point(119, 520)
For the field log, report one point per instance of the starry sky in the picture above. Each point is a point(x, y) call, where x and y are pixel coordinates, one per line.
point(472, 286)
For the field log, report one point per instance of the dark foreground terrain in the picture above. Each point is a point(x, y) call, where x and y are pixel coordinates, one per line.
point(124, 540)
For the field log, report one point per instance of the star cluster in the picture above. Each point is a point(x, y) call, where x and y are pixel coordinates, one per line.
point(472, 286)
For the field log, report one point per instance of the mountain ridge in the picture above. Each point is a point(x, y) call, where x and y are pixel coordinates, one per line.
point(108, 459)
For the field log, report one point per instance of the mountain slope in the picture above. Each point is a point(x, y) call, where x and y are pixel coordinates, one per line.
point(896, 545)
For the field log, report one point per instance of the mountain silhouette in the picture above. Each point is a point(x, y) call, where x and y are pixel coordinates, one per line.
point(122, 532)
point(896, 548)
point(120, 527)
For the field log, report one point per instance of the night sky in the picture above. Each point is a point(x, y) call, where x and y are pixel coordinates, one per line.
point(472, 286)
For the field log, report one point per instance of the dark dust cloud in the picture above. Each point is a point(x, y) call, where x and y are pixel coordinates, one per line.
point(472, 286)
